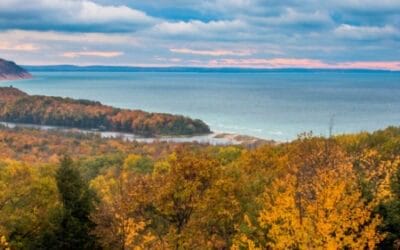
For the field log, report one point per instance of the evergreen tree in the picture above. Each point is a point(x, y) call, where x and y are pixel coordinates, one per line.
point(390, 211)
point(77, 199)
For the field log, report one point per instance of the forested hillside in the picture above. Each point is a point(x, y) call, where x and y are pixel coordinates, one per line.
point(74, 191)
point(17, 106)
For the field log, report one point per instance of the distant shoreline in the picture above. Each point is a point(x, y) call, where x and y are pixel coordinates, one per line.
point(214, 138)
point(105, 68)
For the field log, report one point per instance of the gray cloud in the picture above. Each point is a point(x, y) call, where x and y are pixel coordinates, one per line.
point(192, 31)
point(70, 15)
point(367, 32)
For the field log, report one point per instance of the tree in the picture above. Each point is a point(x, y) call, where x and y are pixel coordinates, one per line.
point(27, 198)
point(182, 187)
point(119, 215)
point(317, 203)
point(389, 208)
point(77, 200)
point(336, 217)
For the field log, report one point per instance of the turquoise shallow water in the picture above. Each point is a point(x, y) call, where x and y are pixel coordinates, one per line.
point(273, 105)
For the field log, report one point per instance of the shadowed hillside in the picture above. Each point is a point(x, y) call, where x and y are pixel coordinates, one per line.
point(11, 71)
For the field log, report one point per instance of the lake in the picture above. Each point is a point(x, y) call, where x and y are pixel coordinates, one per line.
point(270, 105)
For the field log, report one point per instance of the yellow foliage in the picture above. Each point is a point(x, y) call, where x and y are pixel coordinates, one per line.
point(120, 194)
point(378, 174)
point(26, 198)
point(3, 243)
point(312, 193)
point(131, 161)
point(330, 214)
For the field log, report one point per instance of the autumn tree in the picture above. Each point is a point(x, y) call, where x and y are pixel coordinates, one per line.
point(184, 184)
point(28, 195)
point(124, 194)
point(336, 217)
point(317, 203)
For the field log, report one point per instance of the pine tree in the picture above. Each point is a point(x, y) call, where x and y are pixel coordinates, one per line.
point(77, 199)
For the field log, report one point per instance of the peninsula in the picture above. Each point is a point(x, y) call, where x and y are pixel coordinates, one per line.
point(18, 107)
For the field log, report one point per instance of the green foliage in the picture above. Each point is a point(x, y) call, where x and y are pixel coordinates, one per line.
point(93, 166)
point(139, 164)
point(77, 200)
point(27, 197)
point(390, 211)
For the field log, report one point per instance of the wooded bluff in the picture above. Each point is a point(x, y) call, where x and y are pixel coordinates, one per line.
point(19, 107)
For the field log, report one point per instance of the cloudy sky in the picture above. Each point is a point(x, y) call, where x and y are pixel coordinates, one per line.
point(210, 33)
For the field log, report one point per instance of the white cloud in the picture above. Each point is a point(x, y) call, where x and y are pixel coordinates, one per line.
point(292, 16)
point(366, 32)
point(196, 27)
point(93, 13)
point(19, 36)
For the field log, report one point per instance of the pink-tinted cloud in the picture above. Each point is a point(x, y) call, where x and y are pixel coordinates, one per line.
point(302, 63)
point(219, 52)
point(268, 63)
point(27, 47)
point(387, 65)
point(92, 54)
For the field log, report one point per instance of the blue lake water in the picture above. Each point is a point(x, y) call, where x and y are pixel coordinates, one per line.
point(273, 105)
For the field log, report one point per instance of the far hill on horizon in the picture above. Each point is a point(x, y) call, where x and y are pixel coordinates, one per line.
point(113, 68)
point(11, 71)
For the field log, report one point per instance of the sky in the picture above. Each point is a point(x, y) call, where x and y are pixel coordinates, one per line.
point(203, 33)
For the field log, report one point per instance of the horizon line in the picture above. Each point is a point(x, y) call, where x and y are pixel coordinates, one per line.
point(209, 67)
